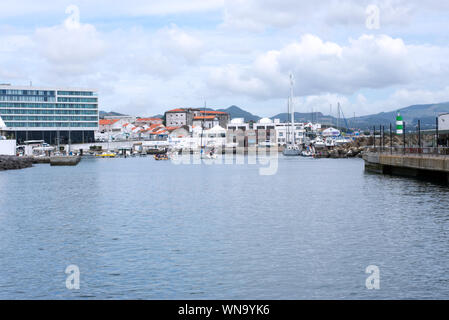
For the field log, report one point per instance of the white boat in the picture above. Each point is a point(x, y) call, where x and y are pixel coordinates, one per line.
point(308, 152)
point(329, 142)
point(341, 140)
point(319, 143)
point(291, 149)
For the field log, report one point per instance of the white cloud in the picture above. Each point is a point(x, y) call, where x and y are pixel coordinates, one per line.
point(405, 97)
point(109, 8)
point(322, 67)
point(186, 51)
point(71, 47)
point(175, 41)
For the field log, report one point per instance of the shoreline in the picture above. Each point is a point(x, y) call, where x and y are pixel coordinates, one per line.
point(15, 163)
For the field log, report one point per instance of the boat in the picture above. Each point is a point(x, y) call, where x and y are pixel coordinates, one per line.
point(341, 140)
point(319, 143)
point(106, 155)
point(211, 154)
point(161, 157)
point(157, 151)
point(308, 152)
point(291, 149)
point(329, 142)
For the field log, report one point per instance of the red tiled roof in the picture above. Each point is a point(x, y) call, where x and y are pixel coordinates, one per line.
point(105, 122)
point(148, 119)
point(155, 125)
point(177, 110)
point(172, 128)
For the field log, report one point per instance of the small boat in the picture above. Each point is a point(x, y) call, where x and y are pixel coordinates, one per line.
point(319, 143)
point(157, 151)
point(291, 150)
point(106, 155)
point(341, 140)
point(329, 142)
point(210, 155)
point(161, 157)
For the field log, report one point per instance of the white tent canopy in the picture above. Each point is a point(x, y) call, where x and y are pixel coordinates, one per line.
point(331, 132)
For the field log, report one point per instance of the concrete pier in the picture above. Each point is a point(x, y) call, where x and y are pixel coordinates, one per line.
point(424, 166)
point(64, 160)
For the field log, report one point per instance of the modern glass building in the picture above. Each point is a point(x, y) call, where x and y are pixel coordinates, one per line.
point(55, 115)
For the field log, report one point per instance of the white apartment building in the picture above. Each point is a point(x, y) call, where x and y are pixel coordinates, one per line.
point(54, 115)
point(282, 130)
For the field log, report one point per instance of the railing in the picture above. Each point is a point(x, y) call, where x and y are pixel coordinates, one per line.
point(430, 151)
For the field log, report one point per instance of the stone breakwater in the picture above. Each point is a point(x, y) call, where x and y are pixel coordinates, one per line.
point(13, 162)
point(352, 149)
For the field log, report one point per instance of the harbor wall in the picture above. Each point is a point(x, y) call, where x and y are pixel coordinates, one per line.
point(418, 166)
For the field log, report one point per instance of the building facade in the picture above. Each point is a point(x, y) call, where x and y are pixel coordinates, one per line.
point(222, 117)
point(186, 116)
point(55, 115)
point(181, 117)
point(147, 121)
point(205, 122)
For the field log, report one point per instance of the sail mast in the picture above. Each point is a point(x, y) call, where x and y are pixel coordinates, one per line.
point(292, 111)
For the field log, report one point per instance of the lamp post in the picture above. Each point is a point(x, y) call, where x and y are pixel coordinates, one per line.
point(391, 139)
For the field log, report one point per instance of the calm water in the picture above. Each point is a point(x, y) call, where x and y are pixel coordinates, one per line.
point(138, 228)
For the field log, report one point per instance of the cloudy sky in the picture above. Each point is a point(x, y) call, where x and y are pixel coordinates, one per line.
point(145, 57)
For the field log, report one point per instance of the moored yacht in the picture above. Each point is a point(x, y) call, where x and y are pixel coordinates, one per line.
point(291, 149)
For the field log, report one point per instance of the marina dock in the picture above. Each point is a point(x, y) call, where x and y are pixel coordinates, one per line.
point(423, 163)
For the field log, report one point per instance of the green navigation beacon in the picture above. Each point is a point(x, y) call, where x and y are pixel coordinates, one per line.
point(399, 124)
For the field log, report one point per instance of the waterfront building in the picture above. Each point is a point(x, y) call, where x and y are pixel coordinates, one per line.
point(110, 125)
point(186, 116)
point(222, 117)
point(181, 117)
point(55, 115)
point(282, 130)
point(238, 124)
point(147, 121)
point(206, 122)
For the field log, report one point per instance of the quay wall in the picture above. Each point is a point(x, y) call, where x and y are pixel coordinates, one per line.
point(419, 166)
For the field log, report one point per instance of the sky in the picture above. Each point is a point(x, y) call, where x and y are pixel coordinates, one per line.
point(145, 57)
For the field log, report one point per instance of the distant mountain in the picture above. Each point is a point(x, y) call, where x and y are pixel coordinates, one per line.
point(236, 112)
point(103, 114)
point(427, 113)
point(306, 117)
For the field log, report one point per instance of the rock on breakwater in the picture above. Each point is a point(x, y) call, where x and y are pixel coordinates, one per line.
point(13, 162)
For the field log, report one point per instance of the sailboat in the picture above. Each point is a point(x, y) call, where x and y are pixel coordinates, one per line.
point(291, 149)
point(203, 154)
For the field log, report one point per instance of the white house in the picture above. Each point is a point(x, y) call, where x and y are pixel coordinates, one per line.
point(238, 124)
point(206, 121)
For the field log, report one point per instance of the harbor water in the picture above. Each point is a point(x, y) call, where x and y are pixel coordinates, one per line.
point(144, 229)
